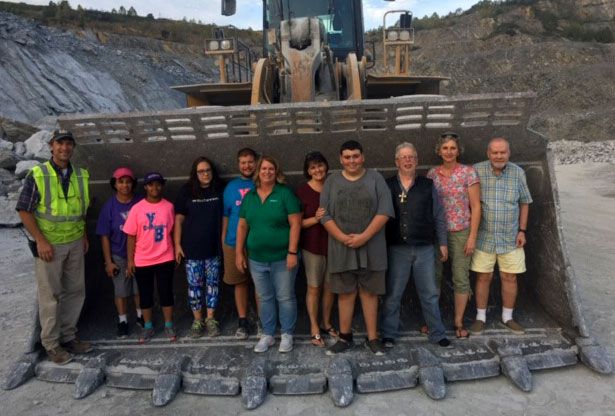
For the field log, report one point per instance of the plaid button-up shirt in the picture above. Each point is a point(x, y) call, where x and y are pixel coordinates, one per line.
point(500, 197)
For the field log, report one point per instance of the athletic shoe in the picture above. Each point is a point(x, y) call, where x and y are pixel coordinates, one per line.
point(196, 330)
point(374, 346)
point(76, 346)
point(286, 344)
point(339, 347)
point(242, 329)
point(122, 329)
point(146, 335)
point(140, 322)
point(213, 329)
point(388, 342)
point(59, 355)
point(169, 332)
point(445, 343)
point(513, 327)
point(264, 343)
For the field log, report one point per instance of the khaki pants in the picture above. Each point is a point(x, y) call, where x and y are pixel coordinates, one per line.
point(61, 292)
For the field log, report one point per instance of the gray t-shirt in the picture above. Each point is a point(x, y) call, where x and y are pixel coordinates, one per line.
point(353, 205)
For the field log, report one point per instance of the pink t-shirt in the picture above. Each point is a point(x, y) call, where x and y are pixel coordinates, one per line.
point(453, 191)
point(152, 224)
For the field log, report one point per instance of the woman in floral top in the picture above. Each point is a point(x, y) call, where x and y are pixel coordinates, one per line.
point(459, 190)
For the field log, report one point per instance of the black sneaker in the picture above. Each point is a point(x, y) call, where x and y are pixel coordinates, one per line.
point(445, 343)
point(388, 342)
point(339, 347)
point(374, 346)
point(122, 329)
point(140, 322)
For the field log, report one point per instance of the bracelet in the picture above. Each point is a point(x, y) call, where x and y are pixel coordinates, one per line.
point(521, 230)
point(294, 253)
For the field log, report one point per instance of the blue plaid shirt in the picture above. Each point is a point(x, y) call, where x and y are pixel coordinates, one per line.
point(500, 197)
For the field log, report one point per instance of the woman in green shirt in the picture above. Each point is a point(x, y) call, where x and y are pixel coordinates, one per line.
point(269, 228)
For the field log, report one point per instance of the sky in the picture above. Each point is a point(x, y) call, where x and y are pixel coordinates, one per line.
point(249, 12)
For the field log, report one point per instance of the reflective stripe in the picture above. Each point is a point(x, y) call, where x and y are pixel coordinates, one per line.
point(53, 218)
point(47, 187)
point(80, 181)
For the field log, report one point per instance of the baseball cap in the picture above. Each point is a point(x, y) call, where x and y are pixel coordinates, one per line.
point(121, 172)
point(61, 135)
point(153, 177)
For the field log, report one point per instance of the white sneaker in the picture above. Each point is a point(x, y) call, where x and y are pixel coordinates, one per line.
point(286, 344)
point(264, 343)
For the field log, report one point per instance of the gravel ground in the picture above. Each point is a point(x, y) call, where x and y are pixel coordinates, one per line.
point(574, 391)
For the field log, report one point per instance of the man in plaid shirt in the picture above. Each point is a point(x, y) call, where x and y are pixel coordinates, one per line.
point(504, 200)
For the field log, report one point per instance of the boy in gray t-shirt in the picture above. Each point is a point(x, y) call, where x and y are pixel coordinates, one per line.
point(358, 204)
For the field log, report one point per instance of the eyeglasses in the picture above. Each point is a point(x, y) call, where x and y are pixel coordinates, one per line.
point(407, 157)
point(203, 172)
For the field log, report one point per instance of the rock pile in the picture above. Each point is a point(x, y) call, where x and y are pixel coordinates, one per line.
point(569, 152)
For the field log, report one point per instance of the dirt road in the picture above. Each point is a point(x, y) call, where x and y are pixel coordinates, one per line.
point(573, 391)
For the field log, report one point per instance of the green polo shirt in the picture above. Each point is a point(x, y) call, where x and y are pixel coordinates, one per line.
point(268, 221)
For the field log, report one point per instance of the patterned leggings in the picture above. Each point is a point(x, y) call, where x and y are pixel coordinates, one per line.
point(203, 276)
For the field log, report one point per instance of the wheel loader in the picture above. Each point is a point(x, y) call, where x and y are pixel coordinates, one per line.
point(316, 86)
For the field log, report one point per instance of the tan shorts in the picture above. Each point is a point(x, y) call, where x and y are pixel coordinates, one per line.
point(511, 262)
point(315, 268)
point(232, 276)
point(350, 281)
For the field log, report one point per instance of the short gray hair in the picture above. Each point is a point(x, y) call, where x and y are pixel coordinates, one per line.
point(404, 145)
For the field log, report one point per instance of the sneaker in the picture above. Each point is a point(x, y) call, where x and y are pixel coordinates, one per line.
point(59, 356)
point(146, 335)
point(76, 346)
point(169, 332)
point(286, 343)
point(477, 327)
point(242, 329)
point(140, 322)
point(213, 328)
point(264, 343)
point(196, 330)
point(513, 327)
point(445, 343)
point(374, 346)
point(122, 329)
point(388, 342)
point(339, 347)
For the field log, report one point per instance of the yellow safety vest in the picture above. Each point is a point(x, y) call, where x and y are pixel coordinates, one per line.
point(61, 218)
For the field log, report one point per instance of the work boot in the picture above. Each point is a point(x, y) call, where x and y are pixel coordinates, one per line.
point(75, 346)
point(59, 356)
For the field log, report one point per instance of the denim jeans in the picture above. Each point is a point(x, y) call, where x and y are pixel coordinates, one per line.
point(418, 261)
point(274, 283)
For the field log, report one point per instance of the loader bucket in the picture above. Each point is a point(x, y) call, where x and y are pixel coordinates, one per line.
point(548, 304)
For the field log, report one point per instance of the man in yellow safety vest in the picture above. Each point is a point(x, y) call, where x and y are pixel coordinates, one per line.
point(52, 206)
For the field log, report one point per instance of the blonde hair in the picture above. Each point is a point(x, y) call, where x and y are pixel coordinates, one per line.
point(279, 175)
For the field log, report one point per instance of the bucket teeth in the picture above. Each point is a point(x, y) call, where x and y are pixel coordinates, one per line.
point(254, 384)
point(341, 382)
point(594, 355)
point(514, 367)
point(431, 374)
point(168, 381)
point(21, 371)
point(91, 376)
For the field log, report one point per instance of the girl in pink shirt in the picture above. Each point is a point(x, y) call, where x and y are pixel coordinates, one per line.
point(149, 228)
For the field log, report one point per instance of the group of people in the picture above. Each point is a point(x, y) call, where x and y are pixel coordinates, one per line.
point(354, 232)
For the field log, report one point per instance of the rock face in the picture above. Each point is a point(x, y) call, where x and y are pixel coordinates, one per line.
point(595, 9)
point(46, 71)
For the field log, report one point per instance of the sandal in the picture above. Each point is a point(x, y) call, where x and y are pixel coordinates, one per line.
point(331, 331)
point(460, 331)
point(424, 330)
point(317, 341)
